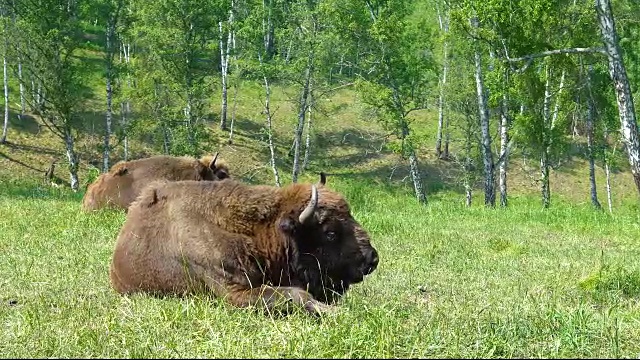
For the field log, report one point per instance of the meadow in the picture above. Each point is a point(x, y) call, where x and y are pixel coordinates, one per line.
point(452, 282)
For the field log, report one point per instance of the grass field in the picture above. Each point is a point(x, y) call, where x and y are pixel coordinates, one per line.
point(452, 282)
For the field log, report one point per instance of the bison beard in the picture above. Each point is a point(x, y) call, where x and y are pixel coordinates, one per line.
point(252, 245)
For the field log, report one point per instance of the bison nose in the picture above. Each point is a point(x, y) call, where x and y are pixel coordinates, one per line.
point(372, 261)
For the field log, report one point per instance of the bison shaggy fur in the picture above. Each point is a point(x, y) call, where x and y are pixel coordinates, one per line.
point(250, 244)
point(119, 187)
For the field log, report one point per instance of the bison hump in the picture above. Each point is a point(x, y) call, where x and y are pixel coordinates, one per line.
point(152, 193)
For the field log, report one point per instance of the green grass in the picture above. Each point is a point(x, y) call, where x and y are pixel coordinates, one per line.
point(452, 282)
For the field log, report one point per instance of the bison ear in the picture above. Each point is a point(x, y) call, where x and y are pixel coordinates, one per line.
point(287, 225)
point(122, 171)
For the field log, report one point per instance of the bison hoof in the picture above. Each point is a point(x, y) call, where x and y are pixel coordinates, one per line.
point(319, 309)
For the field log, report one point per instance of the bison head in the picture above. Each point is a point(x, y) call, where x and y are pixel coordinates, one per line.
point(332, 250)
point(214, 169)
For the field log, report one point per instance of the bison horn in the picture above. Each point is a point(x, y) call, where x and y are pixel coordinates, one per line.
point(213, 162)
point(311, 207)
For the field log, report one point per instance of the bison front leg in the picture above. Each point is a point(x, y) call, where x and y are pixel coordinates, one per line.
point(272, 298)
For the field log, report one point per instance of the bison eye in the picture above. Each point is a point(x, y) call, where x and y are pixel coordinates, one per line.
point(331, 236)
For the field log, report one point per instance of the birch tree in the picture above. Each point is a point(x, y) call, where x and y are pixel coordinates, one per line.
point(618, 73)
point(176, 35)
point(443, 21)
point(111, 12)
point(53, 31)
point(4, 20)
point(400, 75)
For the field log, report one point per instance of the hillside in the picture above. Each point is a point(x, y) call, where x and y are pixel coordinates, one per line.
point(345, 143)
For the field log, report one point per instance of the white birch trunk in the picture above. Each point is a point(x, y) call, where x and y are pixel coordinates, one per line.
point(504, 141)
point(126, 49)
point(23, 101)
point(416, 177)
point(618, 73)
point(233, 111)
point(272, 150)
point(304, 97)
point(236, 85)
point(224, 64)
point(444, 26)
point(33, 95)
point(109, 93)
point(544, 156)
point(307, 148)
point(5, 127)
point(487, 154)
point(590, 130)
point(72, 158)
point(607, 170)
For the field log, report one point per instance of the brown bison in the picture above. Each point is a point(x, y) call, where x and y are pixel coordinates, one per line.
point(119, 187)
point(251, 244)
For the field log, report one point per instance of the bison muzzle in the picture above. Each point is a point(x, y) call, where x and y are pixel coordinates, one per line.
point(251, 244)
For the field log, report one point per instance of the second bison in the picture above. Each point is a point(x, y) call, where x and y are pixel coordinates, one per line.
point(251, 244)
point(119, 187)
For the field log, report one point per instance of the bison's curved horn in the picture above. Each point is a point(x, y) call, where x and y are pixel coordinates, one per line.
point(212, 164)
point(323, 178)
point(311, 207)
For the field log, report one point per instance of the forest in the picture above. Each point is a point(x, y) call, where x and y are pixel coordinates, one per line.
point(493, 140)
point(550, 77)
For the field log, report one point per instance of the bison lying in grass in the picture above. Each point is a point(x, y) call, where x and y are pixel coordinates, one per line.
point(124, 181)
point(250, 244)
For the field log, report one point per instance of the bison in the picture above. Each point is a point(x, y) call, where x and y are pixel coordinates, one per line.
point(124, 181)
point(251, 244)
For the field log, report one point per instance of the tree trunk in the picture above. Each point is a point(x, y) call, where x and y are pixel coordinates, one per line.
point(416, 177)
point(126, 49)
point(33, 94)
point(190, 123)
point(224, 64)
point(546, 142)
point(487, 154)
point(468, 162)
point(109, 90)
point(23, 106)
point(307, 147)
point(607, 171)
point(233, 110)
point(618, 73)
point(544, 174)
point(445, 66)
point(272, 150)
point(268, 30)
point(72, 158)
point(504, 156)
point(304, 97)
point(125, 141)
point(590, 126)
point(5, 127)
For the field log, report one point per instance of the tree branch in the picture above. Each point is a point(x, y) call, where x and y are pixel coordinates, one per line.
point(529, 58)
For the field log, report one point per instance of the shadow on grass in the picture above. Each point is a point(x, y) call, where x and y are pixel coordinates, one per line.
point(7, 157)
point(25, 123)
point(33, 190)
